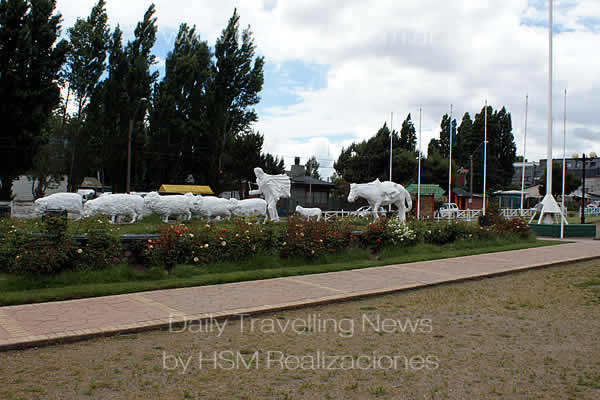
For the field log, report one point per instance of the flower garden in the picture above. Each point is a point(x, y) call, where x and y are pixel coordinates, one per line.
point(42, 255)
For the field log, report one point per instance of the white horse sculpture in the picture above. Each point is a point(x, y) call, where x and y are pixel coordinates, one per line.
point(380, 194)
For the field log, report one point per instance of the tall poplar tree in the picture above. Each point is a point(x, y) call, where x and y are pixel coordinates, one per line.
point(31, 58)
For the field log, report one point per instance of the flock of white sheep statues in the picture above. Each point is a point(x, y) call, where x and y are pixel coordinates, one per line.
point(135, 207)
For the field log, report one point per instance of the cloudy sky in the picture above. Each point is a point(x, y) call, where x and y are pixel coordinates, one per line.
point(336, 69)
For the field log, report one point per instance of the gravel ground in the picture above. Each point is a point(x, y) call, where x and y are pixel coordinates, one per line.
point(527, 335)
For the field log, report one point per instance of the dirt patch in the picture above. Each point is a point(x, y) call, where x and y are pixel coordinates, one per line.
point(527, 335)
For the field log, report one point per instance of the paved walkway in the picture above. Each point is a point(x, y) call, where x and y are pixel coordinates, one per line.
point(39, 324)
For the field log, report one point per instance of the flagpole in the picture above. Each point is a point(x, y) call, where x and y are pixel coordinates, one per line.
point(419, 174)
point(391, 138)
point(450, 161)
point(524, 154)
point(485, 156)
point(562, 211)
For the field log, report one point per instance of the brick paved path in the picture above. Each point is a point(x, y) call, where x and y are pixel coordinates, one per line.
point(44, 323)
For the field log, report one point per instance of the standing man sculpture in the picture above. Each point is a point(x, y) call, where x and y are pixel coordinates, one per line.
point(273, 188)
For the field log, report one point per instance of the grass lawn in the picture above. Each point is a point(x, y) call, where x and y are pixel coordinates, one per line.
point(588, 220)
point(527, 335)
point(125, 279)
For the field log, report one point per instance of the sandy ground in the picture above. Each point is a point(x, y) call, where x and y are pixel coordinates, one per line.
point(528, 335)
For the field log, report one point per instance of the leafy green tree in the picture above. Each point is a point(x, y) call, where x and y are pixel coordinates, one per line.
point(89, 41)
point(114, 105)
point(408, 135)
point(572, 182)
point(464, 141)
point(434, 169)
point(31, 58)
point(272, 165)
point(445, 136)
point(433, 146)
point(237, 82)
point(369, 159)
point(49, 163)
point(312, 168)
point(501, 148)
point(179, 116)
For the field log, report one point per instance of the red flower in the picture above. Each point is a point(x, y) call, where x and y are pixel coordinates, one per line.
point(351, 235)
point(334, 233)
point(378, 240)
point(177, 232)
point(223, 230)
point(331, 249)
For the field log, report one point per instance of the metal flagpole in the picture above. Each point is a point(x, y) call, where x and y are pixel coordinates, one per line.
point(484, 156)
point(524, 154)
point(391, 137)
point(549, 147)
point(450, 161)
point(419, 174)
point(562, 211)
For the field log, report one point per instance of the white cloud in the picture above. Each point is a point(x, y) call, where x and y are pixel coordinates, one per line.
point(389, 56)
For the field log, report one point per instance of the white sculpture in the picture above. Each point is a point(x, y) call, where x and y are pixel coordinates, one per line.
point(380, 194)
point(165, 206)
point(309, 212)
point(210, 206)
point(273, 188)
point(71, 202)
point(117, 205)
point(249, 207)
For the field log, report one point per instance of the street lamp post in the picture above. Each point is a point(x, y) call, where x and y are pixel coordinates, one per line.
point(131, 120)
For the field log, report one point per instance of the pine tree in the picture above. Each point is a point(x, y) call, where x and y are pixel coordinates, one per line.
point(312, 168)
point(408, 135)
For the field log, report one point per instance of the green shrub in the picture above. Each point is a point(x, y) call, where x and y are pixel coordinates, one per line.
point(50, 251)
point(102, 247)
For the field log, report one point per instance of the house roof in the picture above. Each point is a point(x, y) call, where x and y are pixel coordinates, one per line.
point(309, 180)
point(197, 189)
point(427, 189)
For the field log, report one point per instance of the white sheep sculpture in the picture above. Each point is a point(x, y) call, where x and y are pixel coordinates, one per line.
point(309, 212)
point(117, 205)
point(211, 207)
point(166, 206)
point(249, 207)
point(71, 202)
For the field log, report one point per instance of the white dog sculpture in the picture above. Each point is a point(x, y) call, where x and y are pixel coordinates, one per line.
point(165, 206)
point(273, 187)
point(309, 212)
point(117, 205)
point(71, 202)
point(380, 194)
point(249, 207)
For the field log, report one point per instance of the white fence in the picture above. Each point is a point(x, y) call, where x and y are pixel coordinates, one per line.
point(591, 211)
point(329, 214)
point(470, 215)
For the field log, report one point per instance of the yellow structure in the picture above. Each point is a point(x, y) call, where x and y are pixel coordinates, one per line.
point(196, 189)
